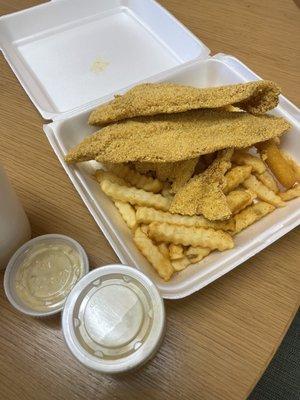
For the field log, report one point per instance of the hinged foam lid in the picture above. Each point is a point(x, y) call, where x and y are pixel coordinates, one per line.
point(69, 53)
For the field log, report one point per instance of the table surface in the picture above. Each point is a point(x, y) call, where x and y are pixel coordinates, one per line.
point(219, 340)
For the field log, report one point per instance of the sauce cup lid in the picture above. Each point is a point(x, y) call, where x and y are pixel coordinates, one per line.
point(64, 283)
point(113, 319)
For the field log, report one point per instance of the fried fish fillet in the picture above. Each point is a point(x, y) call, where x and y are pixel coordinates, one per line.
point(176, 137)
point(203, 194)
point(176, 172)
point(164, 171)
point(156, 98)
point(183, 173)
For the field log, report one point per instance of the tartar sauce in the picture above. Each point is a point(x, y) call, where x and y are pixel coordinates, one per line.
point(47, 274)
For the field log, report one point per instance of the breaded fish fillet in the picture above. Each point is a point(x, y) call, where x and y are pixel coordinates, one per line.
point(176, 172)
point(183, 173)
point(203, 194)
point(176, 137)
point(156, 98)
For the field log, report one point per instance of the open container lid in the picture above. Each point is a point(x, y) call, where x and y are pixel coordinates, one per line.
point(69, 53)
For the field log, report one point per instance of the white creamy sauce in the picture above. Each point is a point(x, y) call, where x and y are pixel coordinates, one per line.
point(47, 274)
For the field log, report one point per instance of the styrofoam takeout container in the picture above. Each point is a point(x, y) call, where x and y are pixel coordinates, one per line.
point(52, 49)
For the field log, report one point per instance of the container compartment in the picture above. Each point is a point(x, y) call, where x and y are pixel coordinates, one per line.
point(212, 72)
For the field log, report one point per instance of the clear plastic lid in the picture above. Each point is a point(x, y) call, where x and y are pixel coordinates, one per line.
point(42, 272)
point(113, 319)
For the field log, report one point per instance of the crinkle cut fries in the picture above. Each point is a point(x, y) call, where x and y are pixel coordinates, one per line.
point(190, 168)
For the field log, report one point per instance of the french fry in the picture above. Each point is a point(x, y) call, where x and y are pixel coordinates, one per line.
point(252, 214)
point(267, 179)
point(136, 179)
point(240, 157)
point(196, 254)
point(176, 251)
point(263, 192)
point(164, 249)
point(147, 215)
point(237, 200)
point(295, 166)
point(166, 191)
point(282, 170)
point(134, 196)
point(144, 228)
point(180, 264)
point(189, 236)
point(235, 176)
point(162, 265)
point(101, 175)
point(128, 213)
point(291, 193)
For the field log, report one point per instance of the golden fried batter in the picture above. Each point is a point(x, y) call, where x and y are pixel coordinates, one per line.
point(143, 167)
point(176, 137)
point(165, 171)
point(183, 172)
point(203, 194)
point(178, 172)
point(156, 98)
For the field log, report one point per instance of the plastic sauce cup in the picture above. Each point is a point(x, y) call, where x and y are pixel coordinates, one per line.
point(114, 319)
point(56, 263)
